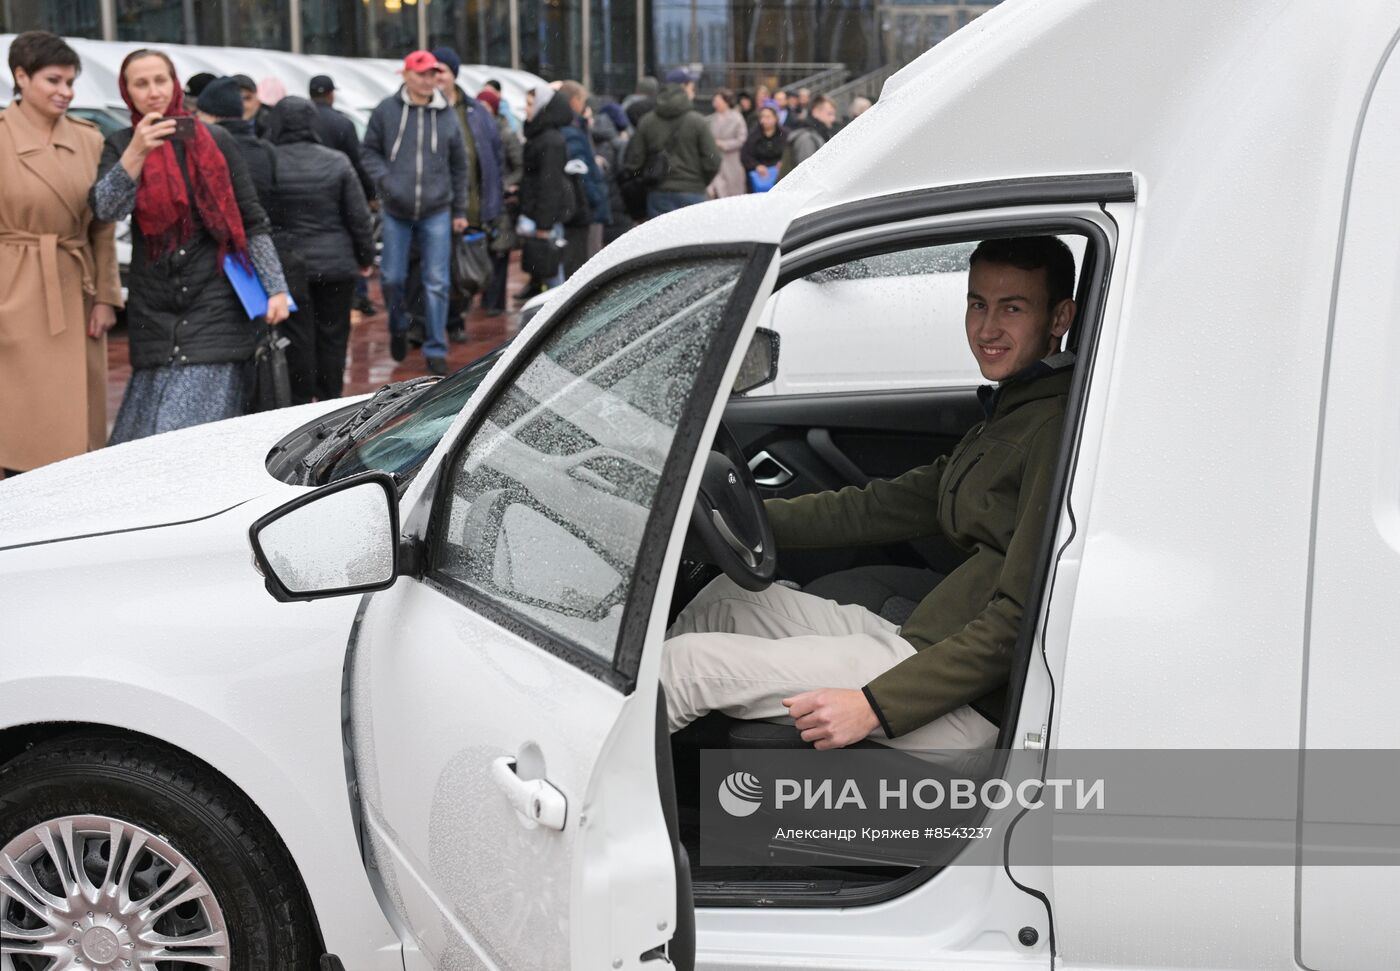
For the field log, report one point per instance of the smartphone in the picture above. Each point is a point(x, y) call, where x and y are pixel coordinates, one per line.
point(184, 128)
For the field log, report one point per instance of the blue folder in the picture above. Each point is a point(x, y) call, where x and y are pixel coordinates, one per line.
point(250, 289)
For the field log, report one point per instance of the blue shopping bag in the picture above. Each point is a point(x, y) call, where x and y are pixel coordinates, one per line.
point(760, 184)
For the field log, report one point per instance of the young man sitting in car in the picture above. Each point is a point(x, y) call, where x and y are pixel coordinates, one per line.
point(843, 672)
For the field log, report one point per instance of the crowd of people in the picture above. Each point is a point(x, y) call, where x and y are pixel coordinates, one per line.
point(231, 183)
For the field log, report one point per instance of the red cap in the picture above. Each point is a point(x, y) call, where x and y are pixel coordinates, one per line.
point(490, 99)
point(420, 61)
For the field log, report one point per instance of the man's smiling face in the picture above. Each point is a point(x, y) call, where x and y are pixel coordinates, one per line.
point(1010, 322)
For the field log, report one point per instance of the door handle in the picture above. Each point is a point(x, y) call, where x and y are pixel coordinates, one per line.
point(536, 801)
point(769, 472)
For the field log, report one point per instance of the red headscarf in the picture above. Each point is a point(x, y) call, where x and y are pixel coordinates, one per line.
point(162, 203)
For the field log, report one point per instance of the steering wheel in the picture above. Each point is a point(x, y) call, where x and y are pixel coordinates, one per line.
point(729, 520)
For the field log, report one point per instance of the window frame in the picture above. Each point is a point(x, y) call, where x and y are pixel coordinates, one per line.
point(621, 671)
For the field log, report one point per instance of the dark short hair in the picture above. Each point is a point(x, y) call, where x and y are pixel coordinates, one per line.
point(730, 98)
point(494, 85)
point(35, 50)
point(820, 100)
point(1048, 253)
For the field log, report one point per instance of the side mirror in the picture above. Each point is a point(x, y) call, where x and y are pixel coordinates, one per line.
point(341, 539)
point(760, 364)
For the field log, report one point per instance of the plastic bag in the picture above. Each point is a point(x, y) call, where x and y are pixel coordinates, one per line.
point(471, 266)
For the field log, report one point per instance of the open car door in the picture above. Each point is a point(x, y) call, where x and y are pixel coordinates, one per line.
point(503, 701)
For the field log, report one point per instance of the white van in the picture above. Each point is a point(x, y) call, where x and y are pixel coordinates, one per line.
point(436, 746)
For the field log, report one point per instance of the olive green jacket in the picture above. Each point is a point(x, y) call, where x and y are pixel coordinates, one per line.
point(989, 497)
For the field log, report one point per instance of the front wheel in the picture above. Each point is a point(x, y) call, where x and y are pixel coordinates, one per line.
point(119, 854)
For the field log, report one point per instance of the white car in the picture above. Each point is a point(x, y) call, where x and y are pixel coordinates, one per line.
point(377, 682)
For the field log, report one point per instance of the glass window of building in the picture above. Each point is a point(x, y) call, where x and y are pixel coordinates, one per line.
point(153, 22)
point(333, 27)
point(263, 24)
point(70, 18)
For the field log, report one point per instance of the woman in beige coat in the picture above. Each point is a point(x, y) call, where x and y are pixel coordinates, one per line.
point(727, 125)
point(59, 285)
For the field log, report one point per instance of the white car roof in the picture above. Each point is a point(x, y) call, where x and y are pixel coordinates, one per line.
point(1176, 91)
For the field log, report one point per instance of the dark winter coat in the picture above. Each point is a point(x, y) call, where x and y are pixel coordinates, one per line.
point(637, 108)
point(318, 202)
point(416, 156)
point(542, 188)
point(609, 146)
point(181, 309)
point(803, 142)
point(694, 156)
point(595, 184)
point(259, 155)
point(514, 153)
point(763, 149)
point(337, 131)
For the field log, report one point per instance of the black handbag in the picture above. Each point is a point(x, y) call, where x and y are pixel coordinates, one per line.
point(657, 168)
point(270, 383)
point(539, 257)
point(471, 266)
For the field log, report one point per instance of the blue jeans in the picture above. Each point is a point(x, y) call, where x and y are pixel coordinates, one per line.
point(434, 236)
point(659, 202)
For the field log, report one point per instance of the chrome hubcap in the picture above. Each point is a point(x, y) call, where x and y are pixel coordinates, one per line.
point(90, 893)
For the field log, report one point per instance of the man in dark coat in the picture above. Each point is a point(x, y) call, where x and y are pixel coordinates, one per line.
point(543, 185)
point(584, 235)
point(319, 207)
point(337, 131)
point(221, 103)
point(809, 135)
point(676, 128)
point(642, 102)
point(485, 163)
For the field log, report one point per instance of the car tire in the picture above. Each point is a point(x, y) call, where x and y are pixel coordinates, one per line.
point(164, 809)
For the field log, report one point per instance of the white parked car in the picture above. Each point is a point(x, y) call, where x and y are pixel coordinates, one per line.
point(435, 744)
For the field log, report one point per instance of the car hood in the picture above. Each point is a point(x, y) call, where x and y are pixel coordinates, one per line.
point(172, 478)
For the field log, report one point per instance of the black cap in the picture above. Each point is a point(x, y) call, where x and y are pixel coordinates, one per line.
point(221, 99)
point(321, 84)
point(246, 83)
point(196, 84)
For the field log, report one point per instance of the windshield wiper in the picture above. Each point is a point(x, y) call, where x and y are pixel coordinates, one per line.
point(388, 400)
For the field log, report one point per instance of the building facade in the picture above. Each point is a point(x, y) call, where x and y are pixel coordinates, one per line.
point(605, 43)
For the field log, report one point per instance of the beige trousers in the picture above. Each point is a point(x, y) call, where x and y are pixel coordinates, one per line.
point(742, 652)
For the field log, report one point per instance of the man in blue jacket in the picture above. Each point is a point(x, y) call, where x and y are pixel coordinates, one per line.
point(414, 152)
point(485, 165)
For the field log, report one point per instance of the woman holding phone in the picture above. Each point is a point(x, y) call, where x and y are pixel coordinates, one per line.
point(192, 204)
point(57, 264)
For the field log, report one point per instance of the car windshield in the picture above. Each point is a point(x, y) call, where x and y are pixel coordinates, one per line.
point(406, 438)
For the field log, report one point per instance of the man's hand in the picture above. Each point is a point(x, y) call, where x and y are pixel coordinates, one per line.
point(276, 309)
point(832, 717)
point(459, 225)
